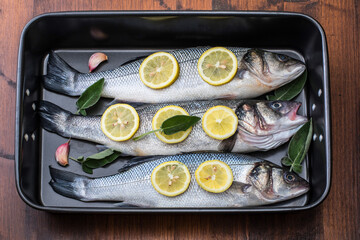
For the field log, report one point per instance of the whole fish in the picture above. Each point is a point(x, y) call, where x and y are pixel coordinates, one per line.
point(256, 182)
point(263, 125)
point(258, 72)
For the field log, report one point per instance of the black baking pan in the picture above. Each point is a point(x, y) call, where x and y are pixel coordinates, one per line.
point(125, 35)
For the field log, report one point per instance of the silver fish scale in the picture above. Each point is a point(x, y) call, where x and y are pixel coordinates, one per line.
point(88, 128)
point(124, 83)
point(134, 186)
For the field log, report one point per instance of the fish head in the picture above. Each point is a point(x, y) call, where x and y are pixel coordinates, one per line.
point(268, 117)
point(271, 69)
point(274, 183)
point(268, 123)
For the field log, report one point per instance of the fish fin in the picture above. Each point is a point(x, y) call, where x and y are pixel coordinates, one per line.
point(136, 161)
point(134, 60)
point(125, 205)
point(60, 76)
point(243, 187)
point(133, 104)
point(62, 183)
point(53, 117)
point(228, 144)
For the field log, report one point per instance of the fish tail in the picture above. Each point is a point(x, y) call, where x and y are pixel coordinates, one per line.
point(68, 184)
point(60, 76)
point(53, 118)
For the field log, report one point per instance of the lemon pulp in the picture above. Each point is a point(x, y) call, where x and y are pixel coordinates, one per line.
point(214, 176)
point(217, 66)
point(120, 122)
point(170, 178)
point(159, 70)
point(220, 122)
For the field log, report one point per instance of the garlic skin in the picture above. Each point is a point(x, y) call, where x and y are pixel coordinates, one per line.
point(96, 59)
point(62, 154)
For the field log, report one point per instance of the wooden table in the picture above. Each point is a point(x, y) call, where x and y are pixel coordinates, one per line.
point(338, 217)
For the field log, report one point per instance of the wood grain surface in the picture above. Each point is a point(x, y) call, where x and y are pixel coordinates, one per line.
point(338, 217)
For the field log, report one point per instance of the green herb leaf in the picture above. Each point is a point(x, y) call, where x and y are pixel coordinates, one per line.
point(90, 96)
point(79, 159)
point(300, 142)
point(97, 160)
point(101, 155)
point(86, 169)
point(82, 112)
point(97, 163)
point(297, 168)
point(286, 161)
point(290, 90)
point(178, 123)
point(173, 125)
point(298, 147)
point(147, 133)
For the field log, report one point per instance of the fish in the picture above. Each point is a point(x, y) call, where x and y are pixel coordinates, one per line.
point(262, 125)
point(256, 182)
point(258, 72)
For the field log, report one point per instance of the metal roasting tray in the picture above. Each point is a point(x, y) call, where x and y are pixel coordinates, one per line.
point(125, 35)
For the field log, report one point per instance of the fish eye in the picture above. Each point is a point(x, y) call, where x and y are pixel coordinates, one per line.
point(282, 58)
point(276, 105)
point(289, 177)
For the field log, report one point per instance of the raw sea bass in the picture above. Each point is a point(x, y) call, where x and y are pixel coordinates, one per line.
point(256, 182)
point(258, 72)
point(263, 125)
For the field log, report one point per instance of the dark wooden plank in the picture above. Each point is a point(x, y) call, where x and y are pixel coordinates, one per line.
point(337, 218)
point(341, 21)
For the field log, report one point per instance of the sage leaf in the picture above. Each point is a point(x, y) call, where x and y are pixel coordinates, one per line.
point(298, 147)
point(82, 112)
point(286, 161)
point(86, 169)
point(97, 163)
point(290, 90)
point(173, 125)
point(97, 160)
point(147, 133)
point(90, 96)
point(297, 168)
point(178, 123)
point(79, 159)
point(101, 155)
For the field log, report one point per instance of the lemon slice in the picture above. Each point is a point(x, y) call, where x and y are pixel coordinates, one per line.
point(217, 66)
point(220, 122)
point(165, 113)
point(120, 122)
point(170, 178)
point(214, 176)
point(159, 70)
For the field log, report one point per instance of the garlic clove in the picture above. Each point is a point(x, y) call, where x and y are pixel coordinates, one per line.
point(96, 59)
point(62, 154)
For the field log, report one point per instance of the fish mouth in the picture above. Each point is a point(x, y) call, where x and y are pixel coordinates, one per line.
point(301, 189)
point(294, 117)
point(299, 69)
